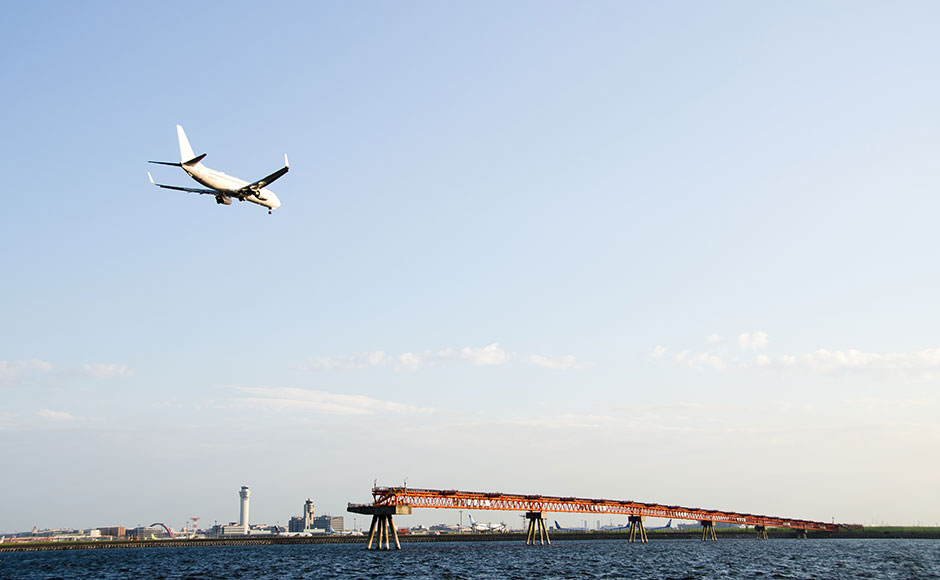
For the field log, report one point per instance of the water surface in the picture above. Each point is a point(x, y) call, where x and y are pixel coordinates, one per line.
point(674, 559)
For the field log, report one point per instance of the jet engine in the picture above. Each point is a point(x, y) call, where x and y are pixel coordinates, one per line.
point(224, 200)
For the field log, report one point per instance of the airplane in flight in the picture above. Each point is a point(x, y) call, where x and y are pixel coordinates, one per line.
point(223, 187)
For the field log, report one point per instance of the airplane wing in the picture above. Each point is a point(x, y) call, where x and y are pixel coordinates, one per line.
point(253, 188)
point(177, 188)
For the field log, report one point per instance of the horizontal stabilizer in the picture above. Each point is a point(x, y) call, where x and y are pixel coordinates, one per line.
point(167, 163)
point(194, 160)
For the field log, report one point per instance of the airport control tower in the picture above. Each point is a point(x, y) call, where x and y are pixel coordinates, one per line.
point(308, 514)
point(243, 513)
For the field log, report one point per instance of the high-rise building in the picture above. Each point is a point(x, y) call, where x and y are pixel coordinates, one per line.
point(332, 524)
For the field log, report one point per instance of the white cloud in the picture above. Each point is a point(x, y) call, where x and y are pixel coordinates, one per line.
point(925, 362)
point(409, 361)
point(362, 361)
point(704, 360)
point(697, 361)
point(753, 341)
point(490, 355)
point(713, 339)
point(55, 416)
point(10, 371)
point(831, 360)
point(293, 399)
point(103, 371)
point(564, 363)
point(7, 421)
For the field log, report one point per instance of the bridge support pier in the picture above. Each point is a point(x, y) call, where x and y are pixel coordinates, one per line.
point(637, 530)
point(382, 524)
point(802, 534)
point(708, 530)
point(761, 532)
point(537, 525)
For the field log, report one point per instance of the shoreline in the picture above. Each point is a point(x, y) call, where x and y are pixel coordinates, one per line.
point(870, 533)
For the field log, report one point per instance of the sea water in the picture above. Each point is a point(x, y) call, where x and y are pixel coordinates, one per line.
point(668, 559)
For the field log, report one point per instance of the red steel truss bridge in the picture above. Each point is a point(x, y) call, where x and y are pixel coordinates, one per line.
point(389, 501)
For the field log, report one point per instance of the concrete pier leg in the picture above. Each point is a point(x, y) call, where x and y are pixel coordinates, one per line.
point(761, 532)
point(372, 527)
point(708, 530)
point(537, 525)
point(637, 530)
point(383, 537)
point(381, 523)
point(391, 524)
point(383, 527)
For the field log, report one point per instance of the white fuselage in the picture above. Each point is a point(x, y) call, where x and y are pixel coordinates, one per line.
point(228, 185)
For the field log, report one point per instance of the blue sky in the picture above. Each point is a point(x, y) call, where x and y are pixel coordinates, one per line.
point(681, 252)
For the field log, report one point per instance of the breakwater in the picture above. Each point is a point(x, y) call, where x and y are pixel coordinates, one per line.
point(557, 536)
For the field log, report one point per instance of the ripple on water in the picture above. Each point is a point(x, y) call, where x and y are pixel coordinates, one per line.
point(671, 560)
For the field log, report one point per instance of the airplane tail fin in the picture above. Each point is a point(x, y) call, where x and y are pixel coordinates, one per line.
point(557, 527)
point(186, 150)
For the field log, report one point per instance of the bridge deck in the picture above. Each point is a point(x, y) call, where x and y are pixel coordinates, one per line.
point(454, 499)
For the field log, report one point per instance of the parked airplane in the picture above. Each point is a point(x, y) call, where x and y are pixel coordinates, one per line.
point(561, 529)
point(668, 526)
point(612, 528)
point(486, 527)
point(223, 187)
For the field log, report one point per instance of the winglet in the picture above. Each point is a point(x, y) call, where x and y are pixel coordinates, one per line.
point(151, 178)
point(286, 164)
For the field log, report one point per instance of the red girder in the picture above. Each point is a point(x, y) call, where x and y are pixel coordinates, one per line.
point(453, 499)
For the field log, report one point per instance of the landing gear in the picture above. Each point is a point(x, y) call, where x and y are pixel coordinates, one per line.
point(269, 212)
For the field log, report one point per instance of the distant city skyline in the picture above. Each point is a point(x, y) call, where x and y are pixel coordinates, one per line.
point(679, 253)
